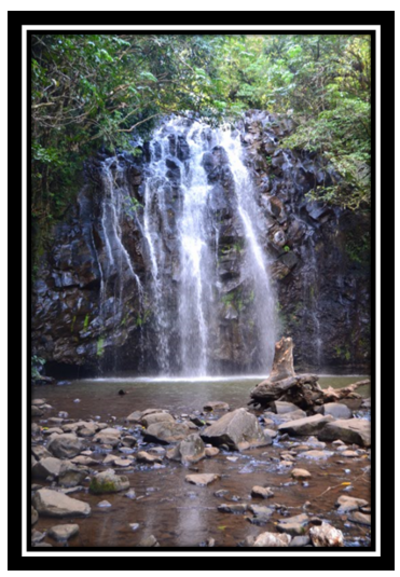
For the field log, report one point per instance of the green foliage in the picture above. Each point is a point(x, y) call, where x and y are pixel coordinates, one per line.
point(93, 90)
point(36, 366)
point(100, 346)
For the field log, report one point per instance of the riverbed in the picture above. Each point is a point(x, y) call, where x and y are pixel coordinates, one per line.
point(177, 513)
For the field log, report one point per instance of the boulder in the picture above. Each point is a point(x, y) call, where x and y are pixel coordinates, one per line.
point(143, 457)
point(345, 503)
point(108, 482)
point(50, 503)
point(202, 479)
point(300, 474)
point(152, 418)
point(63, 532)
point(71, 475)
point(282, 407)
point(234, 429)
point(294, 525)
point(356, 431)
point(190, 450)
point(306, 426)
point(337, 410)
point(65, 446)
point(48, 466)
point(166, 432)
point(359, 517)
point(216, 406)
point(263, 492)
point(272, 540)
point(325, 535)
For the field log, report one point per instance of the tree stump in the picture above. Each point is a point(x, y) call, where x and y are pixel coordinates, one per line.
point(282, 367)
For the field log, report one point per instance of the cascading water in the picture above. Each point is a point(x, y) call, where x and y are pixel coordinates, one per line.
point(201, 229)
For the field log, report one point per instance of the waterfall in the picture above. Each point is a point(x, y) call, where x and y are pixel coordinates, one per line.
point(205, 251)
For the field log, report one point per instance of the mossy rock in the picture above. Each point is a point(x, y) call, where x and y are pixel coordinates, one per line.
point(108, 482)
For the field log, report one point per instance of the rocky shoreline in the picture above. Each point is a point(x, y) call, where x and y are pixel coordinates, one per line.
point(82, 468)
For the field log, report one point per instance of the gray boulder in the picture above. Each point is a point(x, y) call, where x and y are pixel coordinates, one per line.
point(166, 432)
point(49, 466)
point(190, 450)
point(108, 482)
point(356, 431)
point(236, 430)
point(63, 532)
point(306, 426)
point(54, 504)
point(337, 410)
point(65, 446)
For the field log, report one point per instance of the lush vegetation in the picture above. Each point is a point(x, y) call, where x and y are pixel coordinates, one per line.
point(93, 91)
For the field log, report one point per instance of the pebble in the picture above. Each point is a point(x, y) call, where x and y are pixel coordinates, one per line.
point(104, 504)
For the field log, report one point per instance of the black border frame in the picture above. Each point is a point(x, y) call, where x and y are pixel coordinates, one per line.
point(202, 562)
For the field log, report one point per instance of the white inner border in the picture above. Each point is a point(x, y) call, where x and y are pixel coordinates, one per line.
point(25, 382)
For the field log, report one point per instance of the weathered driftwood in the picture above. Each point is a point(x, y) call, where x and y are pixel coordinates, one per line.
point(282, 367)
point(302, 390)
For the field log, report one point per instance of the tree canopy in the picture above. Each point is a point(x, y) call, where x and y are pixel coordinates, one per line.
point(90, 91)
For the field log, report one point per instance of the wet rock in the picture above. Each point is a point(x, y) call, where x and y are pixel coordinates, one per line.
point(356, 431)
point(345, 503)
point(36, 411)
point(359, 517)
point(300, 474)
point(63, 532)
point(261, 513)
point(143, 457)
point(40, 452)
point(190, 450)
point(326, 536)
point(54, 504)
point(65, 446)
point(202, 479)
point(300, 541)
point(85, 461)
point(282, 407)
point(211, 451)
point(37, 537)
point(152, 418)
point(294, 525)
point(134, 417)
point(263, 492)
point(34, 516)
point(130, 494)
point(122, 462)
point(316, 455)
point(166, 432)
point(337, 410)
point(232, 507)
point(272, 540)
point(235, 428)
point(350, 454)
point(108, 482)
point(216, 406)
point(49, 466)
point(71, 475)
point(150, 541)
point(129, 441)
point(306, 426)
point(104, 504)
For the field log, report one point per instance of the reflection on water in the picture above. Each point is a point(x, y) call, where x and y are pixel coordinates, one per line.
point(182, 515)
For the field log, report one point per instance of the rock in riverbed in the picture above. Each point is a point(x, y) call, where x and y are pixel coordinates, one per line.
point(63, 532)
point(201, 479)
point(108, 482)
point(65, 446)
point(190, 450)
point(234, 430)
point(356, 431)
point(326, 536)
point(306, 426)
point(54, 504)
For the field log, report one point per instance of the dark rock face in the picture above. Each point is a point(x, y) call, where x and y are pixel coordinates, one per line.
point(90, 312)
